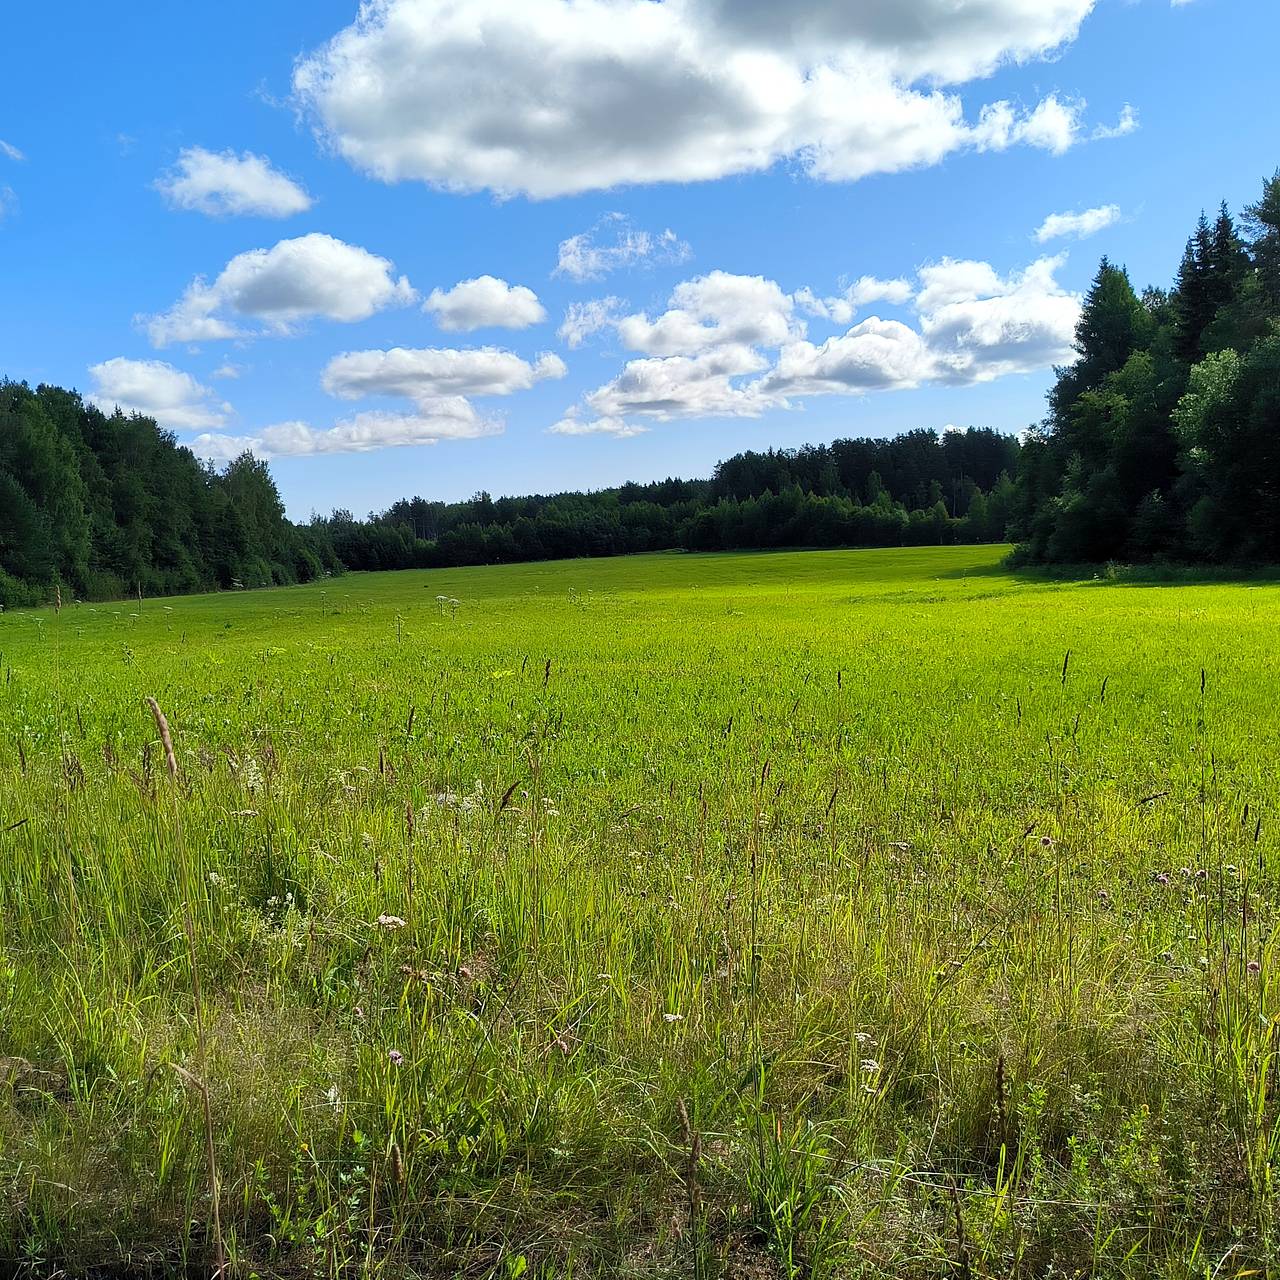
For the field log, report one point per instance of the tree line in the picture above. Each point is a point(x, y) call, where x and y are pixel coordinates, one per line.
point(1162, 439)
point(920, 487)
point(97, 506)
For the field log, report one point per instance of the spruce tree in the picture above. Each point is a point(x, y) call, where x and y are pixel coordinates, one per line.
point(1263, 222)
point(1111, 323)
point(1194, 301)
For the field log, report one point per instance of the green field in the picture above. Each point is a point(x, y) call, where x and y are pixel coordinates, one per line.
point(764, 915)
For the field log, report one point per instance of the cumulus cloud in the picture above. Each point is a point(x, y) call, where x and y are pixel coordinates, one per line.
point(556, 97)
point(1078, 225)
point(450, 419)
point(158, 390)
point(485, 303)
point(709, 353)
point(714, 310)
point(430, 373)
point(707, 385)
point(1127, 123)
point(222, 183)
point(574, 425)
point(974, 326)
point(616, 242)
point(842, 308)
point(9, 150)
point(582, 319)
point(282, 287)
point(876, 355)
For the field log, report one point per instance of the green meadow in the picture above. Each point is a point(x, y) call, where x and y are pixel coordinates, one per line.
point(866, 913)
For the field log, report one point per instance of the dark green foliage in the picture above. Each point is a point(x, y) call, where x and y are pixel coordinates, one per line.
point(107, 507)
point(918, 488)
point(104, 506)
point(1161, 439)
point(1263, 222)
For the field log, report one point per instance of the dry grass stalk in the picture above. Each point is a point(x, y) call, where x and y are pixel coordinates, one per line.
point(166, 738)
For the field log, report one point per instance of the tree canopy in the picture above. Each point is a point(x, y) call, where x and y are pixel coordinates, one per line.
point(1162, 439)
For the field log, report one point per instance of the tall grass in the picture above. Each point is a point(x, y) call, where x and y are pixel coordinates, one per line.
point(791, 915)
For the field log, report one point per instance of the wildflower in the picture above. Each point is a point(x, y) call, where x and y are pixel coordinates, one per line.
point(333, 1097)
point(390, 923)
point(1159, 877)
point(215, 879)
point(870, 1066)
point(864, 1037)
point(1046, 842)
point(395, 1057)
point(673, 1017)
point(1254, 967)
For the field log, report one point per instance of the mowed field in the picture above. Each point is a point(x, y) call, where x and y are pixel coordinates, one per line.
point(763, 915)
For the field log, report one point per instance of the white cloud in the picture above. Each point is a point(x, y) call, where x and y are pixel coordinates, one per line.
point(582, 319)
point(842, 308)
point(1126, 124)
point(1052, 125)
point(974, 326)
point(227, 370)
point(1078, 225)
point(292, 282)
point(220, 183)
point(9, 150)
point(448, 419)
point(8, 202)
point(158, 390)
point(573, 425)
point(483, 303)
point(583, 257)
point(555, 97)
point(430, 373)
point(714, 310)
point(877, 355)
point(706, 385)
point(709, 351)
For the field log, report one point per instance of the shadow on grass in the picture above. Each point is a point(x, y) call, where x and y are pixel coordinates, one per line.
point(1126, 575)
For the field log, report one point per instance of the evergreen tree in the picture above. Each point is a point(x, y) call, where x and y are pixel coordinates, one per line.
point(1194, 294)
point(1112, 322)
point(1263, 222)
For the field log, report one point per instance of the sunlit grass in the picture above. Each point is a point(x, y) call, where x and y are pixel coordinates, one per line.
point(788, 915)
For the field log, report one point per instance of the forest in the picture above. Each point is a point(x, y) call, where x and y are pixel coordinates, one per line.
point(1162, 440)
point(1161, 443)
point(97, 507)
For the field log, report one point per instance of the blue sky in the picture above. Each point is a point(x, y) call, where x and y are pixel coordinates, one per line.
point(216, 215)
